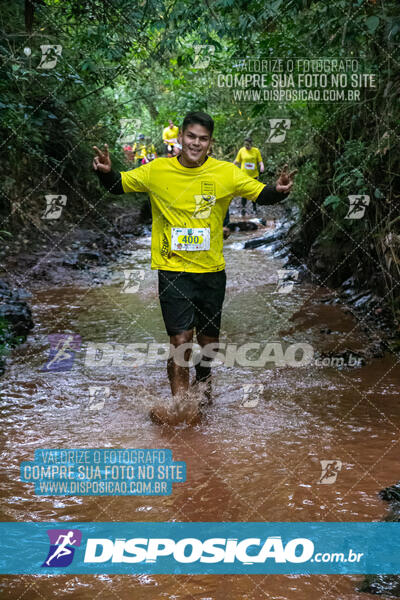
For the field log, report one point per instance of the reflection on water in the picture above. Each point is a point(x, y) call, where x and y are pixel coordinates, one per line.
point(257, 462)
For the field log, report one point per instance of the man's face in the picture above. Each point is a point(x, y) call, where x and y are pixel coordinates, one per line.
point(171, 123)
point(247, 145)
point(195, 141)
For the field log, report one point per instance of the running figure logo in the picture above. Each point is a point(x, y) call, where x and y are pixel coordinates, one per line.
point(50, 56)
point(286, 280)
point(357, 206)
point(54, 206)
point(252, 393)
point(98, 395)
point(63, 347)
point(204, 203)
point(129, 129)
point(132, 280)
point(330, 470)
point(202, 55)
point(61, 552)
point(279, 127)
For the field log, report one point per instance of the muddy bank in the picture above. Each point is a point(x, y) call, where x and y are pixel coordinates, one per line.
point(357, 278)
point(64, 252)
point(60, 253)
point(15, 319)
point(374, 317)
point(318, 264)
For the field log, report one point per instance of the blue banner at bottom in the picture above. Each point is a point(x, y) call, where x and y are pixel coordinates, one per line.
point(200, 548)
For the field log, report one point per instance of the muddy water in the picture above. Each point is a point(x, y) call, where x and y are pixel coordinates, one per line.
point(259, 463)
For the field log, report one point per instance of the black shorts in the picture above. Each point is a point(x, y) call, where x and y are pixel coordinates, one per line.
point(192, 300)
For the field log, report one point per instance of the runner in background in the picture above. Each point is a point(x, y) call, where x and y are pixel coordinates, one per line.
point(140, 151)
point(170, 137)
point(176, 150)
point(129, 154)
point(151, 152)
point(226, 232)
point(249, 160)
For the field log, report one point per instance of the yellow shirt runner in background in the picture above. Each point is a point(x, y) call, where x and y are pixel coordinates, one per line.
point(188, 208)
point(140, 150)
point(171, 135)
point(249, 160)
point(151, 151)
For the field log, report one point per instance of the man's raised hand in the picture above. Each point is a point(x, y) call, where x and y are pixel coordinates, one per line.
point(285, 180)
point(102, 161)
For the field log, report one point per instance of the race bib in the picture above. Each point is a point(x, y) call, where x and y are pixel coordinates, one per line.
point(184, 238)
point(249, 166)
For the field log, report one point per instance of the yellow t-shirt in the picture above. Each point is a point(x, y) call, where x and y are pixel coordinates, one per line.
point(189, 198)
point(140, 150)
point(171, 135)
point(151, 149)
point(249, 160)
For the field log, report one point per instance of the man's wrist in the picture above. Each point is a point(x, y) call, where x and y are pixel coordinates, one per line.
point(283, 192)
point(270, 195)
point(111, 180)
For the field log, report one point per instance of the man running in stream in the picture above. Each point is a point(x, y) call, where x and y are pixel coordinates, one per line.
point(190, 195)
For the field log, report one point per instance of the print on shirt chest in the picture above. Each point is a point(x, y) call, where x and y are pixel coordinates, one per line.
point(205, 200)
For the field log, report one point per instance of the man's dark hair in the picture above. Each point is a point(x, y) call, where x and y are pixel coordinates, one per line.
point(248, 140)
point(198, 118)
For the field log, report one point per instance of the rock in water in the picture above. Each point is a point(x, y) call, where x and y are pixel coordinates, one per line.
point(15, 318)
point(15, 310)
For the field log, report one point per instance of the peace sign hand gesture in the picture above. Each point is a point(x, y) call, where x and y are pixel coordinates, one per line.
point(102, 161)
point(285, 180)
